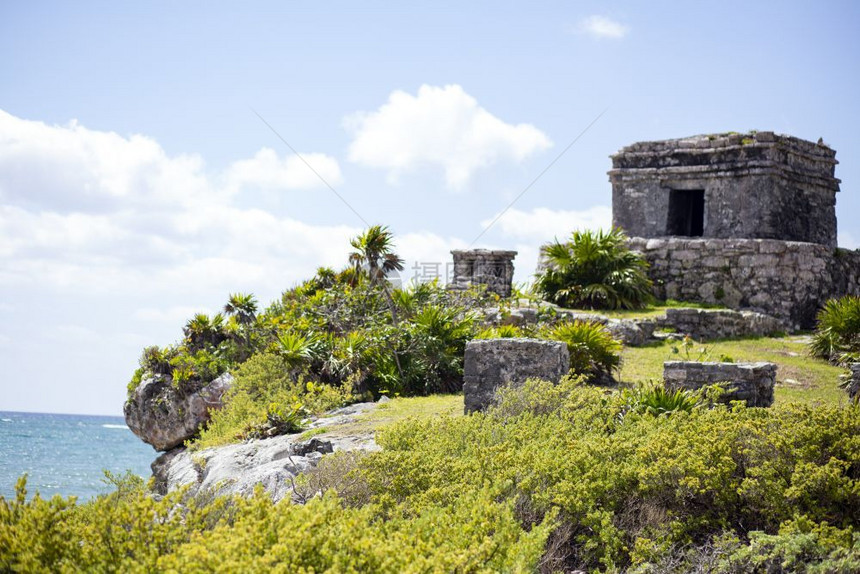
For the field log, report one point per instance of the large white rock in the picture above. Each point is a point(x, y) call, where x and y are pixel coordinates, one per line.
point(271, 462)
point(165, 417)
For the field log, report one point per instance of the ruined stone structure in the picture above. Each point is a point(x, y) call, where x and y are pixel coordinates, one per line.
point(755, 186)
point(707, 324)
point(746, 221)
point(495, 269)
point(491, 363)
point(749, 382)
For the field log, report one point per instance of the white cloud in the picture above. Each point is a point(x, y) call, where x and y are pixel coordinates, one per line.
point(603, 27)
point(72, 168)
point(439, 127)
point(174, 315)
point(542, 225)
point(97, 212)
point(267, 171)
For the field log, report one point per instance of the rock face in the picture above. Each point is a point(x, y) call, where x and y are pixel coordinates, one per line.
point(165, 417)
point(853, 387)
point(749, 382)
point(788, 280)
point(272, 462)
point(706, 324)
point(491, 363)
point(754, 186)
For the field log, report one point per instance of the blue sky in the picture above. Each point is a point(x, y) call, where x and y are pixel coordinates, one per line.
point(138, 186)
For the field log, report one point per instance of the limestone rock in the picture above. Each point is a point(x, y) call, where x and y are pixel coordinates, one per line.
point(492, 363)
point(272, 462)
point(165, 417)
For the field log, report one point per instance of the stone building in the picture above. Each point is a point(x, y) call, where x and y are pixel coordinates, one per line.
point(746, 221)
point(754, 186)
point(493, 268)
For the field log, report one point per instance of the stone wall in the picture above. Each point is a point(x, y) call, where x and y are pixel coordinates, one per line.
point(756, 185)
point(706, 324)
point(493, 268)
point(491, 363)
point(786, 279)
point(749, 382)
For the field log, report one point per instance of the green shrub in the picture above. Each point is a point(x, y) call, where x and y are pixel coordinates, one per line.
point(595, 270)
point(267, 399)
point(837, 334)
point(593, 350)
point(502, 332)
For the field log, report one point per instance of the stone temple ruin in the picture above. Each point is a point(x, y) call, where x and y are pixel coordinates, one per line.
point(746, 221)
point(493, 268)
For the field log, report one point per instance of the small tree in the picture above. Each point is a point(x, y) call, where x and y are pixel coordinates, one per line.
point(595, 270)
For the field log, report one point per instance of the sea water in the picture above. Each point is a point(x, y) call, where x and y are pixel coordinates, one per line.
point(67, 454)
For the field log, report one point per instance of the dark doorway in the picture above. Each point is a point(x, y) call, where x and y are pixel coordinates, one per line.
point(686, 212)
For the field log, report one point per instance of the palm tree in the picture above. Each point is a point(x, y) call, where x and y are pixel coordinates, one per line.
point(242, 310)
point(374, 248)
point(595, 270)
point(243, 306)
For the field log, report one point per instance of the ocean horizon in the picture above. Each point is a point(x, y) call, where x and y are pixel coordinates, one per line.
point(67, 454)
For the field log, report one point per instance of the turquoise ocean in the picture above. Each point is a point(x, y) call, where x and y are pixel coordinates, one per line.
point(67, 454)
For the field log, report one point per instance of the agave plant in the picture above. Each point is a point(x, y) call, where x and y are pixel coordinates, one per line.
point(595, 270)
point(837, 335)
point(656, 400)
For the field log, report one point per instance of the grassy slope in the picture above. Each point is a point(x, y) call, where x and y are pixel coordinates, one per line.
point(799, 376)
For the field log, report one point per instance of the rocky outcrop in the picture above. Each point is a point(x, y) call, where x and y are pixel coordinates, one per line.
point(492, 363)
point(749, 382)
point(166, 416)
point(272, 462)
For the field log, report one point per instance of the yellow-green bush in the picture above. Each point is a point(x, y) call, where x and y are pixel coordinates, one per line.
point(552, 478)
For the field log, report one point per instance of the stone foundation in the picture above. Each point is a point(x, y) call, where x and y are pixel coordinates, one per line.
point(492, 363)
point(707, 324)
point(495, 269)
point(749, 382)
point(786, 279)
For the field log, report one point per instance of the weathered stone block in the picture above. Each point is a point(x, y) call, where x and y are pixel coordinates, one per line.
point(750, 382)
point(491, 363)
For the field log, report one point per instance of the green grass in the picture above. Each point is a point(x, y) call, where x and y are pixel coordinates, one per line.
point(400, 409)
point(651, 312)
point(800, 377)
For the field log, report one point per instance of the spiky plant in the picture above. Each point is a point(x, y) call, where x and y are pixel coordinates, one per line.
point(593, 350)
point(595, 270)
point(837, 335)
